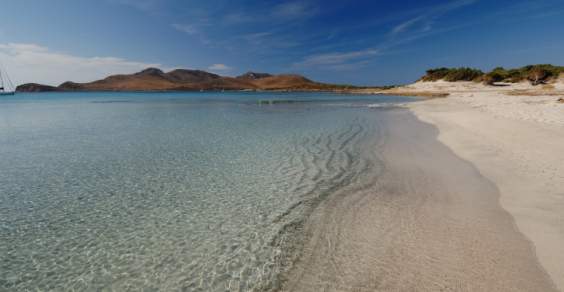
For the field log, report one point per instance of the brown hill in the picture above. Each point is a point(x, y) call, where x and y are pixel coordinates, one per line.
point(281, 82)
point(191, 76)
point(253, 76)
point(34, 87)
point(153, 79)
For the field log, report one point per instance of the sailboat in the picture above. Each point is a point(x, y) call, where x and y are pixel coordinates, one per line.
point(6, 85)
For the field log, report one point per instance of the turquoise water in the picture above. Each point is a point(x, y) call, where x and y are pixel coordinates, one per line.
point(170, 191)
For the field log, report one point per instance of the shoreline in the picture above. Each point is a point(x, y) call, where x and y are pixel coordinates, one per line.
point(360, 91)
point(426, 221)
point(516, 142)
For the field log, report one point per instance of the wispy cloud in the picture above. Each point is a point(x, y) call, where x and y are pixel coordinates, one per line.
point(290, 11)
point(407, 24)
point(186, 28)
point(237, 18)
point(257, 38)
point(197, 28)
point(36, 63)
point(295, 10)
point(143, 5)
point(424, 22)
point(349, 66)
point(523, 11)
point(416, 24)
point(337, 59)
point(219, 68)
point(266, 43)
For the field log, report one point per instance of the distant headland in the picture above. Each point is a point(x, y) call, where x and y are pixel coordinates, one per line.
point(153, 79)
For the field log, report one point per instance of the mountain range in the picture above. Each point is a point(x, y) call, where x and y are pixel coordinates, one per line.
point(153, 79)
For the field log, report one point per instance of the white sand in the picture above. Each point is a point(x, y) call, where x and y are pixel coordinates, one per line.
point(424, 220)
point(518, 143)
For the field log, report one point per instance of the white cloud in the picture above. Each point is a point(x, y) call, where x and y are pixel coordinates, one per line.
point(336, 60)
point(424, 22)
point(34, 63)
point(238, 18)
point(219, 67)
point(186, 28)
point(143, 5)
point(294, 10)
point(407, 24)
point(196, 29)
point(256, 38)
point(285, 12)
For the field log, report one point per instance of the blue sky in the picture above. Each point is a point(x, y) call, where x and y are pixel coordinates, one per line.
point(357, 42)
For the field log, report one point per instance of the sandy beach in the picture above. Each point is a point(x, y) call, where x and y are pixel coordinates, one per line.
point(470, 200)
point(430, 222)
point(513, 136)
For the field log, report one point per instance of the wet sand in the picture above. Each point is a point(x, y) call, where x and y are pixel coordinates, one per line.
point(429, 222)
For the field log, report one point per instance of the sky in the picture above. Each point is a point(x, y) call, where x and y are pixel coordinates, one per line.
point(347, 42)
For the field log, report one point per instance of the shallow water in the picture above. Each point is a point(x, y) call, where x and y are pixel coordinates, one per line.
point(193, 191)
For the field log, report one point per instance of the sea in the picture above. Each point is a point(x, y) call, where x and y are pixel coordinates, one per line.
point(202, 191)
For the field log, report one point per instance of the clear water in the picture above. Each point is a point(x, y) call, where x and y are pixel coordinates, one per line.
point(169, 191)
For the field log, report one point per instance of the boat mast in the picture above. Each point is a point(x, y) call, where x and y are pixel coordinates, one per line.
point(5, 86)
point(1, 80)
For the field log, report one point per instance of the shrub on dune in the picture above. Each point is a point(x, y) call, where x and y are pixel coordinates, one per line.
point(536, 74)
point(540, 74)
point(453, 74)
point(498, 74)
point(464, 74)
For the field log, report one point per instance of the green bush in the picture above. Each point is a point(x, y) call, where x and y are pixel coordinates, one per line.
point(536, 74)
point(435, 74)
point(539, 74)
point(496, 75)
point(453, 74)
